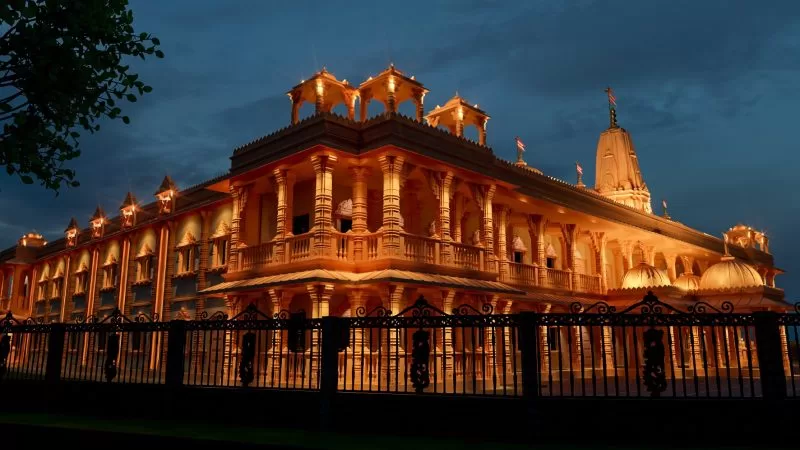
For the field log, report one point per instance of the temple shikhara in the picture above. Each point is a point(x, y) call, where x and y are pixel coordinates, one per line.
point(336, 214)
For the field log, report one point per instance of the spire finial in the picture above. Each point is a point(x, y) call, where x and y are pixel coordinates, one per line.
point(664, 206)
point(612, 107)
point(579, 171)
point(725, 244)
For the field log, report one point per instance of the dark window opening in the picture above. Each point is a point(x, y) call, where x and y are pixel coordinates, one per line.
point(518, 257)
point(300, 224)
point(345, 225)
point(551, 263)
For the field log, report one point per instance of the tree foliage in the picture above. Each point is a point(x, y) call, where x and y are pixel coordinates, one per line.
point(62, 70)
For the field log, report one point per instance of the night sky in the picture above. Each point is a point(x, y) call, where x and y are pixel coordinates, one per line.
point(708, 90)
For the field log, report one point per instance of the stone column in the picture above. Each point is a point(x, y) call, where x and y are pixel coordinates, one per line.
point(545, 348)
point(202, 281)
point(536, 230)
point(65, 287)
point(125, 266)
point(393, 352)
point(233, 257)
point(359, 176)
point(785, 348)
point(608, 349)
point(482, 131)
point(363, 104)
point(501, 217)
point(392, 167)
point(448, 296)
point(484, 194)
point(600, 246)
point(626, 248)
point(697, 351)
point(568, 231)
point(319, 99)
point(671, 272)
point(458, 214)
point(418, 95)
point(323, 202)
point(320, 307)
point(508, 340)
point(279, 184)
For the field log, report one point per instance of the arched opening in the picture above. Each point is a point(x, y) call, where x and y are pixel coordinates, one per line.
point(696, 269)
point(679, 268)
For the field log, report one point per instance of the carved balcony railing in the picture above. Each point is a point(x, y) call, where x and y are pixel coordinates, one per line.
point(557, 279)
point(420, 249)
point(342, 246)
point(257, 256)
point(372, 245)
point(521, 274)
point(587, 283)
point(468, 256)
point(298, 248)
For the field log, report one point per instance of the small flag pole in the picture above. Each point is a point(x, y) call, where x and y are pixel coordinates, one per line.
point(520, 150)
point(612, 107)
point(664, 206)
point(579, 171)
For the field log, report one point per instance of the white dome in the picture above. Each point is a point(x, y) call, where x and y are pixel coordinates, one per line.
point(687, 282)
point(644, 276)
point(730, 273)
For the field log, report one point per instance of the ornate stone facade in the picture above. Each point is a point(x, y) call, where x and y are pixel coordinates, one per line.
point(334, 214)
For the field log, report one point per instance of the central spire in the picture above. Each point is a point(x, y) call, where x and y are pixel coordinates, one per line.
point(618, 176)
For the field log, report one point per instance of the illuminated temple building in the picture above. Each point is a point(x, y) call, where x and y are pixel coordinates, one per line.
point(337, 213)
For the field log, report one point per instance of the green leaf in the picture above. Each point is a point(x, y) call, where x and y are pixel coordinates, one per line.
point(126, 119)
point(147, 88)
point(26, 179)
point(155, 41)
point(131, 98)
point(159, 54)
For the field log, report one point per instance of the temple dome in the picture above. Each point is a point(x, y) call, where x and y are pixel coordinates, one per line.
point(687, 282)
point(730, 273)
point(644, 276)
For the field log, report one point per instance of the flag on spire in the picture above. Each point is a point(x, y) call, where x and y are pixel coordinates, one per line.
point(520, 144)
point(664, 203)
point(612, 100)
point(578, 168)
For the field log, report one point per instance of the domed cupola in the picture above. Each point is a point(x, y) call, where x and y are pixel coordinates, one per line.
point(730, 273)
point(687, 282)
point(643, 276)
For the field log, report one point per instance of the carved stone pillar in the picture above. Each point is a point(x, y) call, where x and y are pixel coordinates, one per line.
point(544, 351)
point(239, 195)
point(608, 350)
point(392, 296)
point(484, 194)
point(482, 131)
point(320, 307)
point(501, 213)
point(671, 272)
point(601, 241)
point(319, 103)
point(363, 103)
point(359, 176)
point(279, 181)
point(418, 97)
point(568, 231)
point(536, 229)
point(448, 296)
point(295, 97)
point(392, 166)
point(626, 247)
point(441, 184)
point(323, 202)
point(697, 351)
point(458, 214)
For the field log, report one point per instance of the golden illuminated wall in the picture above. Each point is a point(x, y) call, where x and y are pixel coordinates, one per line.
point(111, 252)
point(146, 241)
point(190, 224)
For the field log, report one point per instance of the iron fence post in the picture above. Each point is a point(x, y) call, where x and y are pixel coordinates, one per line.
point(329, 370)
point(528, 332)
point(55, 351)
point(176, 348)
point(329, 367)
point(770, 357)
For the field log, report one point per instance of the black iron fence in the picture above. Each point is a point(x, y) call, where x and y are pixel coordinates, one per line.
point(649, 349)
